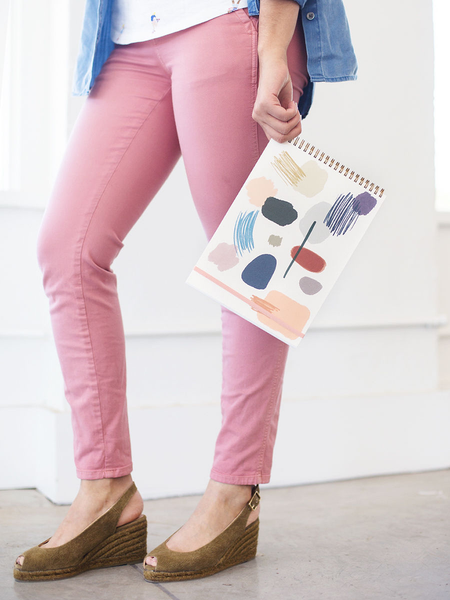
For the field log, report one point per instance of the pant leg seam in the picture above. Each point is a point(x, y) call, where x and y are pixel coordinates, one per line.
point(254, 475)
point(102, 473)
point(270, 411)
point(80, 269)
point(255, 64)
point(255, 88)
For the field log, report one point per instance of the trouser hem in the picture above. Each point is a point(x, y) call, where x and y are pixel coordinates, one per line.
point(104, 473)
point(239, 479)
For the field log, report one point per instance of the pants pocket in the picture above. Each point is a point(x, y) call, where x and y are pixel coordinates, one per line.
point(244, 17)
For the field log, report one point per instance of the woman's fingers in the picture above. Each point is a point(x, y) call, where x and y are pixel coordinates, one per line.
point(274, 109)
point(284, 125)
point(271, 106)
point(280, 129)
point(281, 137)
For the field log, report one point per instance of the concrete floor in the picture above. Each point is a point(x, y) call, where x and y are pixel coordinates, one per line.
point(376, 538)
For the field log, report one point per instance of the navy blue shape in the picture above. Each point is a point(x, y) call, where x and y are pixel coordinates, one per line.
point(259, 272)
point(279, 211)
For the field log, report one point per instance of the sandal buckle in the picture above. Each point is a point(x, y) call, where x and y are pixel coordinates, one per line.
point(254, 500)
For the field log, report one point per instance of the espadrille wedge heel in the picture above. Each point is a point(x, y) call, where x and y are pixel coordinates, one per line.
point(102, 544)
point(236, 544)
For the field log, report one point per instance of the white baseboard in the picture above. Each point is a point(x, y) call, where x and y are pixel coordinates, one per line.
point(319, 439)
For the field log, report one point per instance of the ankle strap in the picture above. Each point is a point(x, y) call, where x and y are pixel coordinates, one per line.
point(256, 496)
point(118, 507)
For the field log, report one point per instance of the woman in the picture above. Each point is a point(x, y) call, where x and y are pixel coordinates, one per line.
point(214, 84)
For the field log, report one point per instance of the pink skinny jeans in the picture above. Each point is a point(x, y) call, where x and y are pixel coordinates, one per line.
point(190, 93)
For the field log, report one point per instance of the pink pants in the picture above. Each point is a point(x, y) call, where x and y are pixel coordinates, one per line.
point(191, 93)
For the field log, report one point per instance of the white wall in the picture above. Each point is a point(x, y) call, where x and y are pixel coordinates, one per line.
point(362, 391)
point(443, 259)
point(4, 12)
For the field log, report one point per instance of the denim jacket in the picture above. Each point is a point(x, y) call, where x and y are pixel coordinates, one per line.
point(327, 37)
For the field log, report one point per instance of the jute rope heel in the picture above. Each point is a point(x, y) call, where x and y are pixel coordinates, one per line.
point(235, 545)
point(101, 544)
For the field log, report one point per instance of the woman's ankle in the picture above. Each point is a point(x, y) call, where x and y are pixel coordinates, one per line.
point(229, 493)
point(106, 484)
point(104, 491)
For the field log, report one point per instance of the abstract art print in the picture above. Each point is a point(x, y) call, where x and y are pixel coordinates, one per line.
point(286, 238)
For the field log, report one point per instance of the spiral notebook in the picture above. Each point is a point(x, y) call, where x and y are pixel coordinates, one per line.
point(287, 237)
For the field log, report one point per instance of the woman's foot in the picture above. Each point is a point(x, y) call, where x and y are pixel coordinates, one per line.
point(94, 498)
point(219, 506)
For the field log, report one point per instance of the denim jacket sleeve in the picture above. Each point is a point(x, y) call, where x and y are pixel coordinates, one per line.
point(95, 46)
point(327, 37)
point(328, 44)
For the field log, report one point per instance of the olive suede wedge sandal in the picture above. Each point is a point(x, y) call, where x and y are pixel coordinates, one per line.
point(101, 544)
point(236, 544)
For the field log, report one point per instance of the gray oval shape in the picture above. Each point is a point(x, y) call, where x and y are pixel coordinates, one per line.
point(316, 213)
point(310, 286)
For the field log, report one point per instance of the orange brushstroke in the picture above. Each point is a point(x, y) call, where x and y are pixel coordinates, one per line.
point(264, 304)
point(294, 332)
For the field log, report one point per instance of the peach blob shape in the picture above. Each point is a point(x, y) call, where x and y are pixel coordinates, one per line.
point(292, 313)
point(259, 189)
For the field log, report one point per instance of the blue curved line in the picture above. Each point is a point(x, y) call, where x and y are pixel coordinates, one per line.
point(243, 231)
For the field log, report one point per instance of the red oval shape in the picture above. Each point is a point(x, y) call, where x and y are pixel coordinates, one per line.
point(309, 260)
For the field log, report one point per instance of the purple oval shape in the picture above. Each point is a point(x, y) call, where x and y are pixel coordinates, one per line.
point(363, 203)
point(310, 286)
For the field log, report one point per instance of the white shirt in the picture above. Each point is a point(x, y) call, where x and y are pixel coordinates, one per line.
point(140, 20)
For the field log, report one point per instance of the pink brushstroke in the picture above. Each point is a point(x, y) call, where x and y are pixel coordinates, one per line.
point(254, 306)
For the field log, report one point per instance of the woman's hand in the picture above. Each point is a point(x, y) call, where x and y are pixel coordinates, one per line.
point(275, 110)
